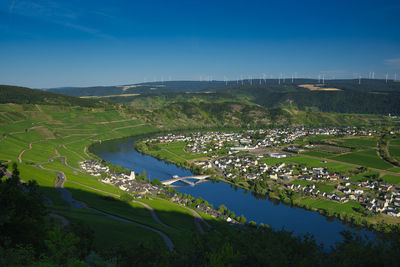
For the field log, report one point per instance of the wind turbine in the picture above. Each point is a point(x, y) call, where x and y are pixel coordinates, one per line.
point(359, 79)
point(387, 75)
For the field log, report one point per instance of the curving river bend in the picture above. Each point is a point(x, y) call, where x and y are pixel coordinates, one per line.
point(269, 211)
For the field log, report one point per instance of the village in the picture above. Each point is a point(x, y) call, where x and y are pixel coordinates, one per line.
point(247, 140)
point(242, 162)
point(139, 188)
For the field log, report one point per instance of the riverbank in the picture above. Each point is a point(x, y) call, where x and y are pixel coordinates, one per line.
point(345, 212)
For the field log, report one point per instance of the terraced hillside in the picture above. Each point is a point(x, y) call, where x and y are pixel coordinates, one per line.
point(47, 142)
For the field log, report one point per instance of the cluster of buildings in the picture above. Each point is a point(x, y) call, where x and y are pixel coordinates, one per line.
point(203, 143)
point(233, 166)
point(311, 190)
point(377, 197)
point(137, 188)
point(385, 198)
point(125, 182)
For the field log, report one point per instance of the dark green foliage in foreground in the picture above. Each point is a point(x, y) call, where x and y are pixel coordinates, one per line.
point(22, 213)
point(28, 236)
point(265, 247)
point(23, 95)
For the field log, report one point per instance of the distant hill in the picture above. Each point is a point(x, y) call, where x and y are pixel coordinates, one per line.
point(142, 88)
point(23, 95)
point(343, 96)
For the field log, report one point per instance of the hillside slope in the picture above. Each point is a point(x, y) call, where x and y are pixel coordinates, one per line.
point(23, 95)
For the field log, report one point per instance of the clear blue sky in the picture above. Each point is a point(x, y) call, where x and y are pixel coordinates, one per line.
point(49, 43)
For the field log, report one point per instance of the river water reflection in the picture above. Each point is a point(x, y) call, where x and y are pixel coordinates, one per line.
point(271, 212)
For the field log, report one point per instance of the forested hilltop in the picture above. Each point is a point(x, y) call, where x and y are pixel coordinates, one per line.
point(23, 95)
point(341, 96)
point(196, 111)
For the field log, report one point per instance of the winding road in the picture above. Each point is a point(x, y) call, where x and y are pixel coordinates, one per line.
point(66, 195)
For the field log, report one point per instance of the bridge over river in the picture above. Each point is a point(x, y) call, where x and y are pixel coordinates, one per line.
point(185, 179)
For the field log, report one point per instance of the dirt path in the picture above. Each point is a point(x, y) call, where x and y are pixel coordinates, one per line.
point(39, 108)
point(152, 212)
point(108, 122)
point(79, 156)
point(63, 220)
point(66, 195)
point(129, 126)
point(176, 155)
point(23, 151)
point(30, 147)
point(197, 220)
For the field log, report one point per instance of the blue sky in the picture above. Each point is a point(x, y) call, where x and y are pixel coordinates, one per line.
point(48, 43)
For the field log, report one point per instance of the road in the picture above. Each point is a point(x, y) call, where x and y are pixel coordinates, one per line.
point(197, 220)
point(66, 195)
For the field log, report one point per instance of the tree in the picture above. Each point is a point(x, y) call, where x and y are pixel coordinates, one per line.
point(156, 182)
point(241, 219)
point(22, 213)
point(222, 209)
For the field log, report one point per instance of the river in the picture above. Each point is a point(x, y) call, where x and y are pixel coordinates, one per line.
point(269, 211)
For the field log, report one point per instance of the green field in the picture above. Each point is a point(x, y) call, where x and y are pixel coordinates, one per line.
point(395, 169)
point(309, 163)
point(301, 182)
point(325, 187)
point(394, 151)
point(318, 138)
point(395, 142)
point(393, 179)
point(318, 154)
point(367, 158)
point(364, 175)
point(173, 215)
point(108, 233)
point(331, 205)
point(358, 142)
point(176, 150)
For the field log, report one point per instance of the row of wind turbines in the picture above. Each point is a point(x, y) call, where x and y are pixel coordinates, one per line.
point(281, 78)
